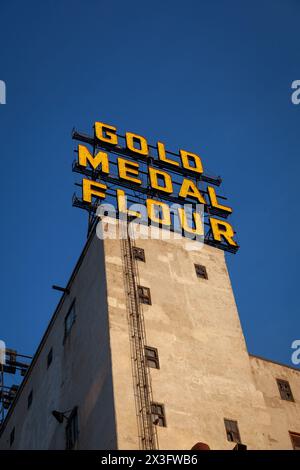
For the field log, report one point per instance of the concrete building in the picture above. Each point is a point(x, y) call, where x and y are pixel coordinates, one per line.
point(145, 350)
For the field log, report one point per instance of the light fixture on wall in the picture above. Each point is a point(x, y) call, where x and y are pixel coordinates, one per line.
point(60, 415)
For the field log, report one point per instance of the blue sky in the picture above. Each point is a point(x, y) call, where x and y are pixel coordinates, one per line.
point(210, 76)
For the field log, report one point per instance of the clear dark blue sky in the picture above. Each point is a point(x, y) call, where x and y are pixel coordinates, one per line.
point(210, 76)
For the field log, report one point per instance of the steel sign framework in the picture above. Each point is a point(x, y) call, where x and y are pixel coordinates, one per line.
point(113, 161)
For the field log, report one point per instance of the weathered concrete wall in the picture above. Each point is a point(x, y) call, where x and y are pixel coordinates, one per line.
point(126, 421)
point(285, 415)
point(80, 374)
point(205, 373)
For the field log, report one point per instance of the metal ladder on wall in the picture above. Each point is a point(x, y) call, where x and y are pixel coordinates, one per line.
point(140, 370)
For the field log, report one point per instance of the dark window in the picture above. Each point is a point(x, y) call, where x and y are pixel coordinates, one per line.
point(201, 271)
point(29, 399)
point(158, 414)
point(144, 295)
point(72, 430)
point(12, 437)
point(139, 253)
point(152, 359)
point(232, 430)
point(285, 390)
point(70, 319)
point(295, 440)
point(49, 357)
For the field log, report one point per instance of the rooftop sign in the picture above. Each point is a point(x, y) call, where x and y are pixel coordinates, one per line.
point(127, 168)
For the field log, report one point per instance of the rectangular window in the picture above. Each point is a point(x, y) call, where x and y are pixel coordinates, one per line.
point(70, 319)
point(232, 430)
point(158, 414)
point(72, 430)
point(295, 440)
point(12, 437)
point(49, 357)
point(144, 295)
point(29, 399)
point(285, 390)
point(139, 254)
point(151, 355)
point(201, 271)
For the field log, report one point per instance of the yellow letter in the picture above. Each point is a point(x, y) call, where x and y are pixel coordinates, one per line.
point(185, 158)
point(165, 210)
point(88, 191)
point(198, 230)
point(167, 187)
point(122, 206)
point(189, 188)
point(214, 200)
point(142, 142)
point(127, 166)
point(106, 133)
point(162, 154)
point(101, 158)
point(221, 229)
